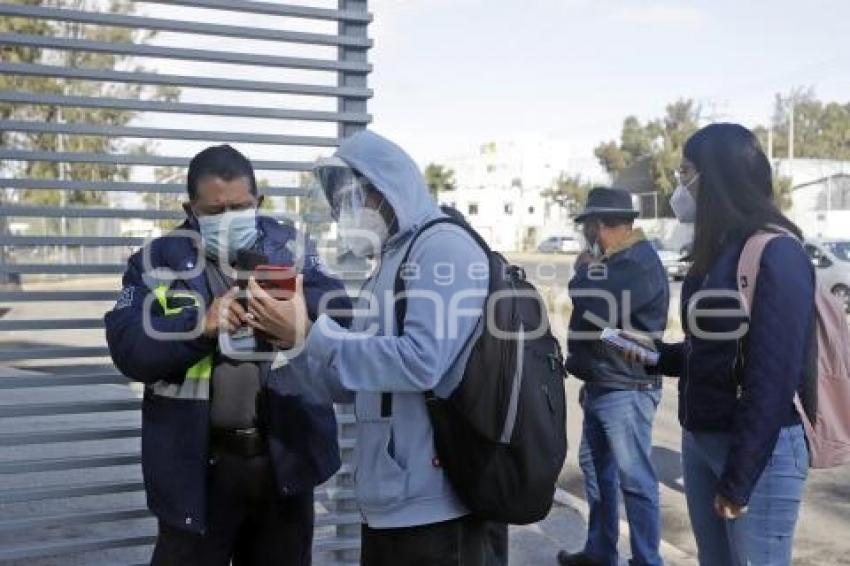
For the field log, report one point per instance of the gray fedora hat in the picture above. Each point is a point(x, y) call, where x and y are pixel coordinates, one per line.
point(603, 201)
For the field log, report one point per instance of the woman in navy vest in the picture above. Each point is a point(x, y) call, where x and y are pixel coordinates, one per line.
point(744, 452)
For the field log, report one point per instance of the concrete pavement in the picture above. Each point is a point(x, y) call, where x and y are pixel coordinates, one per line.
point(531, 545)
point(564, 529)
point(823, 529)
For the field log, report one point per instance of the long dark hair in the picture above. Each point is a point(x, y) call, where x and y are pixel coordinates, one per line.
point(735, 196)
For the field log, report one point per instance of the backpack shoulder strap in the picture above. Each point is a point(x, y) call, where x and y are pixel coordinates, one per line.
point(398, 289)
point(749, 262)
point(400, 301)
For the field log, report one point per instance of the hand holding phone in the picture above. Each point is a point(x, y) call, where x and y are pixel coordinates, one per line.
point(285, 323)
point(277, 284)
point(278, 280)
point(633, 348)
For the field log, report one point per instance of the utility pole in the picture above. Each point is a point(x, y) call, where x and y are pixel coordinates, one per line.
point(829, 194)
point(770, 144)
point(791, 140)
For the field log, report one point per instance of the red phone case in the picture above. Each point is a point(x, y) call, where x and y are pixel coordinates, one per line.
point(276, 277)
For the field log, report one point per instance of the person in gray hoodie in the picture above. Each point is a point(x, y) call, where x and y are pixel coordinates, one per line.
point(411, 513)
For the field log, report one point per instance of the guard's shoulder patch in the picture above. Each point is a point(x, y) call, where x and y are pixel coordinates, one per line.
point(125, 299)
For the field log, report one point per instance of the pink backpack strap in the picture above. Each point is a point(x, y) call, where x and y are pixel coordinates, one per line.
point(750, 260)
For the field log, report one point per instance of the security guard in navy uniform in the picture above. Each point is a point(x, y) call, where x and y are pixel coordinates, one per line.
point(230, 453)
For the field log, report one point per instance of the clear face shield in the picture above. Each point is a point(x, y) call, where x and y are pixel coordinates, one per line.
point(362, 228)
point(340, 185)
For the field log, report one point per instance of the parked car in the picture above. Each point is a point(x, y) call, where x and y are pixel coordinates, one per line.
point(675, 263)
point(831, 259)
point(560, 245)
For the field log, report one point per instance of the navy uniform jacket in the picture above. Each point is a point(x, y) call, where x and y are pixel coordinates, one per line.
point(638, 297)
point(176, 373)
point(744, 386)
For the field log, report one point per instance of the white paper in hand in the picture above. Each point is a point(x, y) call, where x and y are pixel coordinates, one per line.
point(612, 337)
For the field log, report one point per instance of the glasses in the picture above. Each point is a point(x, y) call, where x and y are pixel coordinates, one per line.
point(683, 173)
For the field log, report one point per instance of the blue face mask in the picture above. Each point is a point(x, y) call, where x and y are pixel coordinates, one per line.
point(224, 235)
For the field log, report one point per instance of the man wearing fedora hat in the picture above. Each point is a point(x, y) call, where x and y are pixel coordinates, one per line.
point(619, 282)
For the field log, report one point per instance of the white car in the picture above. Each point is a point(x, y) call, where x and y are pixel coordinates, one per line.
point(831, 259)
point(560, 244)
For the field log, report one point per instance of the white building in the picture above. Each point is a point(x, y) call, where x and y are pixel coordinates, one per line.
point(509, 218)
point(804, 171)
point(822, 207)
point(536, 162)
point(500, 186)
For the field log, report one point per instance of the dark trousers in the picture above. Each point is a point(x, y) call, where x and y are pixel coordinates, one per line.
point(497, 547)
point(460, 542)
point(247, 521)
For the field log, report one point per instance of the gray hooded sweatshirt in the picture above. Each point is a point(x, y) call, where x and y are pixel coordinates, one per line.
point(399, 482)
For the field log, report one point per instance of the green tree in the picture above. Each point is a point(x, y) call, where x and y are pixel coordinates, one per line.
point(439, 178)
point(657, 144)
point(782, 186)
point(167, 201)
point(17, 54)
point(48, 113)
point(821, 129)
point(568, 191)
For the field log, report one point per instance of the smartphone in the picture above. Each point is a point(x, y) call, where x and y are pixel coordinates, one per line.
point(246, 263)
point(276, 278)
point(613, 338)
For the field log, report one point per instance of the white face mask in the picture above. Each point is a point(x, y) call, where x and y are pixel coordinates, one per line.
point(225, 234)
point(363, 232)
point(683, 203)
point(596, 250)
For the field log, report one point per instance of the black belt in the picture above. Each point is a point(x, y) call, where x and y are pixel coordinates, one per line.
point(649, 385)
point(626, 385)
point(245, 442)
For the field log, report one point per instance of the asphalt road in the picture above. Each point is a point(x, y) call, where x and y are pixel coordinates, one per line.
point(823, 530)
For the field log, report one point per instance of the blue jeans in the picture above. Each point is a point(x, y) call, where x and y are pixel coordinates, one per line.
point(615, 453)
point(765, 533)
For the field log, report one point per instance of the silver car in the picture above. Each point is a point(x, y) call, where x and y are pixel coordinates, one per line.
point(675, 263)
point(560, 245)
point(831, 259)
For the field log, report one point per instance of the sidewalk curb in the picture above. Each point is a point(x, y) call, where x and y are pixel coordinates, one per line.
point(668, 551)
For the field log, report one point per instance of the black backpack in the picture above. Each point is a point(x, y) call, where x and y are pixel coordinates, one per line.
point(501, 435)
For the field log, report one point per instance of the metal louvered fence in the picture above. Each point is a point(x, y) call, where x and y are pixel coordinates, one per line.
point(102, 104)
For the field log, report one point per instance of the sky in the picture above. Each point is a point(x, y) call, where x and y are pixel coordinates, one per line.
point(451, 74)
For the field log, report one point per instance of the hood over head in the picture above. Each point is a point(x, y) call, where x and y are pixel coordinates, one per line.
point(393, 173)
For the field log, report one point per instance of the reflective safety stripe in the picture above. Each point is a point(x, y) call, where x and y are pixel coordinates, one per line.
point(163, 293)
point(196, 383)
point(190, 389)
point(201, 370)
